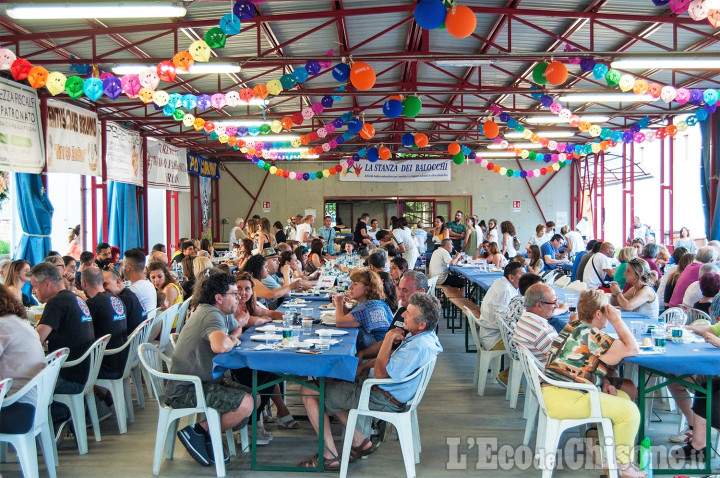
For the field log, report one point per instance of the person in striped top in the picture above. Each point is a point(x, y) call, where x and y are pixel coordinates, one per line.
point(533, 330)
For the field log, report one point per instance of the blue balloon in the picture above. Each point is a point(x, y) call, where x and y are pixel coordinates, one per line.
point(587, 65)
point(346, 117)
point(312, 67)
point(616, 136)
point(600, 71)
point(230, 24)
point(372, 155)
point(341, 72)
point(546, 100)
point(465, 150)
point(168, 110)
point(407, 140)
point(539, 157)
point(327, 102)
point(354, 126)
point(504, 117)
point(430, 14)
point(244, 10)
point(300, 74)
point(393, 108)
point(340, 140)
point(261, 163)
point(362, 152)
point(536, 96)
point(313, 176)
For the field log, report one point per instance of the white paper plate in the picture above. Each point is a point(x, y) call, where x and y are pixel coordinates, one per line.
point(327, 307)
point(261, 338)
point(270, 328)
point(317, 341)
point(332, 331)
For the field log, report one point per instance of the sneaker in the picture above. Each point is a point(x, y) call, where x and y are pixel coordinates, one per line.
point(263, 438)
point(687, 452)
point(194, 443)
point(502, 378)
point(60, 429)
point(683, 437)
point(211, 452)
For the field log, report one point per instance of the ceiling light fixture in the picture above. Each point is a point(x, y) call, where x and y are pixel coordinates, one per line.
point(433, 119)
point(517, 145)
point(551, 119)
point(196, 69)
point(496, 154)
point(606, 97)
point(668, 63)
point(55, 11)
point(463, 62)
point(543, 134)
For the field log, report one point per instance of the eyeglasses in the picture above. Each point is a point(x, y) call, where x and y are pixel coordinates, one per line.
point(236, 294)
point(550, 303)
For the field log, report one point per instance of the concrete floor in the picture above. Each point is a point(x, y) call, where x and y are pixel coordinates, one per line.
point(454, 423)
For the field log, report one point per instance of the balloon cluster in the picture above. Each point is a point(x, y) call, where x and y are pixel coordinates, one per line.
point(361, 75)
point(697, 9)
point(291, 175)
point(458, 20)
point(396, 106)
point(417, 140)
point(459, 152)
point(555, 73)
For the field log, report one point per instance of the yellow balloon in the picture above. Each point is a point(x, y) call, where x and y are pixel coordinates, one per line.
point(56, 83)
point(273, 170)
point(188, 120)
point(243, 150)
point(626, 82)
point(681, 126)
point(527, 134)
point(503, 171)
point(326, 173)
point(223, 138)
point(295, 143)
point(274, 87)
point(275, 126)
point(200, 51)
point(595, 147)
point(556, 167)
point(595, 131)
point(524, 153)
point(161, 98)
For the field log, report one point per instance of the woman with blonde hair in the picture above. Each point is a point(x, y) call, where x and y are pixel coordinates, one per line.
point(251, 227)
point(640, 296)
point(625, 255)
point(584, 353)
point(494, 256)
point(264, 237)
point(371, 315)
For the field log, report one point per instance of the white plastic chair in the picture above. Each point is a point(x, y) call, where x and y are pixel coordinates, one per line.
point(152, 361)
point(119, 388)
point(550, 429)
point(576, 286)
point(516, 371)
point(562, 281)
point(432, 283)
point(182, 314)
point(694, 315)
point(25, 446)
point(484, 357)
point(75, 401)
point(405, 422)
point(549, 276)
point(167, 318)
point(674, 314)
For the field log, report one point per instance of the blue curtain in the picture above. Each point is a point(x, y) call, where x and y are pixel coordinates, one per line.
point(35, 212)
point(712, 218)
point(124, 221)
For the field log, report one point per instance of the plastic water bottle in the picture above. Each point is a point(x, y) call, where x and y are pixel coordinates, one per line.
point(645, 457)
point(179, 271)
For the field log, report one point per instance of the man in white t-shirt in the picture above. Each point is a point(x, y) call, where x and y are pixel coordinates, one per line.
point(599, 266)
point(439, 265)
point(237, 233)
point(133, 270)
point(303, 233)
point(574, 241)
point(406, 244)
point(639, 230)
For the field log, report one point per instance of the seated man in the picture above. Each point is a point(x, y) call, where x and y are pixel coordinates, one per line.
point(439, 266)
point(87, 259)
point(104, 254)
point(516, 308)
point(599, 266)
point(187, 248)
point(496, 301)
point(134, 271)
point(415, 351)
point(108, 315)
point(410, 283)
point(213, 330)
point(533, 331)
point(550, 253)
point(135, 313)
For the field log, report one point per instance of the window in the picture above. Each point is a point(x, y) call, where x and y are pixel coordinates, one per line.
point(331, 210)
point(418, 211)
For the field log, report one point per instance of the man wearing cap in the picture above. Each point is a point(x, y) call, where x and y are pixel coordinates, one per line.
point(274, 280)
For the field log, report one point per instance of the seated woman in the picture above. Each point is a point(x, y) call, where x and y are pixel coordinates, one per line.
point(494, 256)
point(709, 286)
point(257, 267)
point(166, 283)
point(370, 314)
point(583, 337)
point(640, 297)
point(685, 260)
point(15, 280)
point(398, 267)
point(206, 245)
point(21, 358)
point(535, 261)
point(625, 255)
point(315, 260)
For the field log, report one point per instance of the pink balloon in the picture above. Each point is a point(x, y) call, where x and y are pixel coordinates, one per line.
point(307, 113)
point(218, 101)
point(317, 108)
point(130, 85)
point(330, 128)
point(231, 130)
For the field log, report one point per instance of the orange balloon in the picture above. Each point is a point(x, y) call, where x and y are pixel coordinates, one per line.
point(261, 91)
point(304, 140)
point(367, 131)
point(395, 97)
point(384, 152)
point(556, 73)
point(362, 76)
point(453, 148)
point(287, 122)
point(311, 151)
point(421, 140)
point(232, 140)
point(460, 21)
point(490, 129)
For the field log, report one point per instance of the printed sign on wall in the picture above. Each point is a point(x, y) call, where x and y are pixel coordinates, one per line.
point(167, 166)
point(399, 171)
point(21, 144)
point(73, 140)
point(124, 155)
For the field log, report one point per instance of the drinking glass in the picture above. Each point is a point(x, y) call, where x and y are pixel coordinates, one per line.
point(269, 338)
point(637, 328)
point(306, 326)
point(295, 333)
point(287, 320)
point(306, 313)
point(325, 337)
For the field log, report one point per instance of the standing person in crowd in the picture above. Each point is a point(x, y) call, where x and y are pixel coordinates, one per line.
point(439, 266)
point(598, 351)
point(639, 231)
point(21, 359)
point(16, 278)
point(339, 226)
point(625, 255)
point(166, 283)
point(685, 240)
point(478, 229)
point(134, 271)
point(405, 242)
point(535, 263)
point(213, 330)
point(373, 230)
point(549, 230)
point(236, 233)
point(280, 236)
point(263, 238)
point(641, 296)
point(492, 232)
point(420, 236)
point(470, 243)
point(509, 241)
point(74, 246)
point(600, 266)
point(550, 253)
point(440, 230)
point(327, 233)
point(360, 234)
point(457, 231)
point(251, 227)
point(537, 239)
point(304, 233)
point(135, 313)
point(575, 242)
point(291, 229)
point(103, 254)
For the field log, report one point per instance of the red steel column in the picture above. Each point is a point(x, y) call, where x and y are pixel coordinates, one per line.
point(146, 233)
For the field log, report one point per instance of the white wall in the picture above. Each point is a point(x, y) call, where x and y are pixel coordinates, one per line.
point(492, 194)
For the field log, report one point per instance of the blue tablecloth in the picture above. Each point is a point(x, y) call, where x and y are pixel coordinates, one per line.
point(321, 297)
point(695, 358)
point(477, 276)
point(338, 362)
point(314, 305)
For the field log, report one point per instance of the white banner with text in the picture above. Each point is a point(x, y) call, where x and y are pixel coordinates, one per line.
point(414, 170)
point(21, 142)
point(124, 155)
point(167, 166)
point(73, 140)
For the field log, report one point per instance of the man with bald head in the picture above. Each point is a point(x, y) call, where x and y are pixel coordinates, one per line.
point(599, 266)
point(533, 330)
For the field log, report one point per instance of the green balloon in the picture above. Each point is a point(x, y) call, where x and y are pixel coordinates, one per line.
point(509, 173)
point(539, 73)
point(612, 77)
point(74, 87)
point(213, 135)
point(519, 128)
point(459, 158)
point(532, 155)
point(267, 167)
point(319, 174)
point(412, 106)
point(287, 81)
point(178, 115)
point(264, 128)
point(215, 38)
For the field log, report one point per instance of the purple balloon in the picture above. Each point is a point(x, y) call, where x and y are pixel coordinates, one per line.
point(242, 131)
point(546, 100)
point(312, 67)
point(356, 157)
point(635, 128)
point(587, 65)
point(203, 102)
point(628, 137)
point(523, 174)
point(338, 122)
point(244, 10)
point(339, 140)
point(710, 108)
point(696, 96)
point(327, 101)
point(112, 87)
point(504, 117)
point(472, 155)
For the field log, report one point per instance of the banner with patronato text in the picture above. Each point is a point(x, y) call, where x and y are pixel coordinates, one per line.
point(202, 166)
point(414, 170)
point(73, 140)
point(21, 144)
point(206, 210)
point(123, 154)
point(167, 166)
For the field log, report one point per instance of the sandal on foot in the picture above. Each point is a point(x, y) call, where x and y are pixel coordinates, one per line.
point(287, 422)
point(329, 464)
point(630, 470)
point(361, 451)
